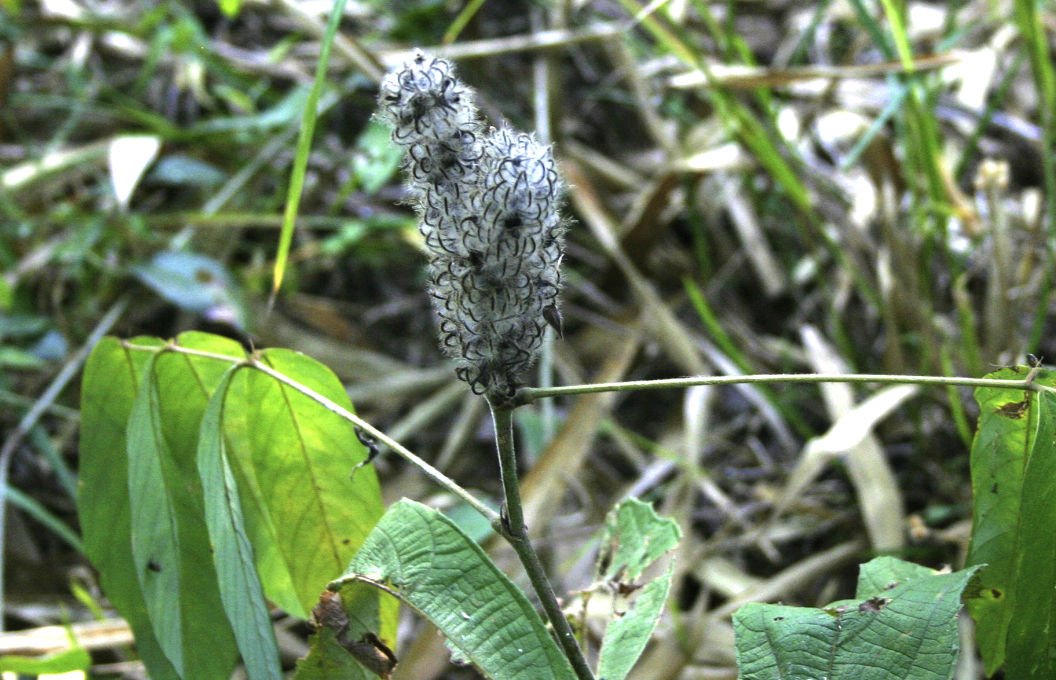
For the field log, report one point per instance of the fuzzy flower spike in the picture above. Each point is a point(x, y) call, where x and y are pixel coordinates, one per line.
point(488, 204)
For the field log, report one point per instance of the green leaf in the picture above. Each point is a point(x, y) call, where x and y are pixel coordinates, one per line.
point(903, 626)
point(1013, 465)
point(170, 541)
point(240, 588)
point(108, 388)
point(66, 661)
point(292, 459)
point(327, 661)
point(61, 662)
point(366, 610)
point(446, 577)
point(634, 537)
point(1012, 471)
point(155, 536)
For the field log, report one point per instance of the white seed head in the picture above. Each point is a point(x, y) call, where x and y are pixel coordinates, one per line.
point(488, 205)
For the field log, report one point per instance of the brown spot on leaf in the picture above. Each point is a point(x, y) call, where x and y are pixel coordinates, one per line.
point(369, 650)
point(874, 604)
point(1014, 410)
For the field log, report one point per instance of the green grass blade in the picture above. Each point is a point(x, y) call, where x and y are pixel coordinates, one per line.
point(34, 509)
point(1028, 19)
point(461, 21)
point(739, 119)
point(240, 588)
point(447, 578)
point(304, 147)
point(68, 661)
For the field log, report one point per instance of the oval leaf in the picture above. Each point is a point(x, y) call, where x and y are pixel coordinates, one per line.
point(430, 564)
point(292, 459)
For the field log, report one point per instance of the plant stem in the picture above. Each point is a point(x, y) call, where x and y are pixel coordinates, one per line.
point(514, 530)
point(528, 395)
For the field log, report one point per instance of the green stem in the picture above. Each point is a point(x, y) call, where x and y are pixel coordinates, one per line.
point(528, 395)
point(515, 531)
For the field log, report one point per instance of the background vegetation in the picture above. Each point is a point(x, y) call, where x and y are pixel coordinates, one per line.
point(758, 187)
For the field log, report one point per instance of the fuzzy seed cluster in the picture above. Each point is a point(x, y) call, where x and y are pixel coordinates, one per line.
point(488, 206)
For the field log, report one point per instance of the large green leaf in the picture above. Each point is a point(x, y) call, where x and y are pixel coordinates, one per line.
point(1014, 496)
point(289, 464)
point(305, 515)
point(240, 588)
point(170, 541)
point(902, 626)
point(445, 576)
point(634, 537)
point(111, 378)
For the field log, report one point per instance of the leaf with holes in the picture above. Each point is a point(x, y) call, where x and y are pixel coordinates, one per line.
point(633, 539)
point(1014, 509)
point(902, 626)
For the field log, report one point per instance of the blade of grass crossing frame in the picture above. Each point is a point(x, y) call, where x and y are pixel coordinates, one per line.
point(304, 147)
point(880, 39)
point(922, 147)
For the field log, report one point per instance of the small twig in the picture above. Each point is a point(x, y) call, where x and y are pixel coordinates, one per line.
point(528, 395)
point(514, 530)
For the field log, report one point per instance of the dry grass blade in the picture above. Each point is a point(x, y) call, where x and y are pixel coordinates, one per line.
point(786, 584)
point(754, 241)
point(750, 77)
point(872, 476)
point(109, 634)
point(672, 334)
point(851, 437)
